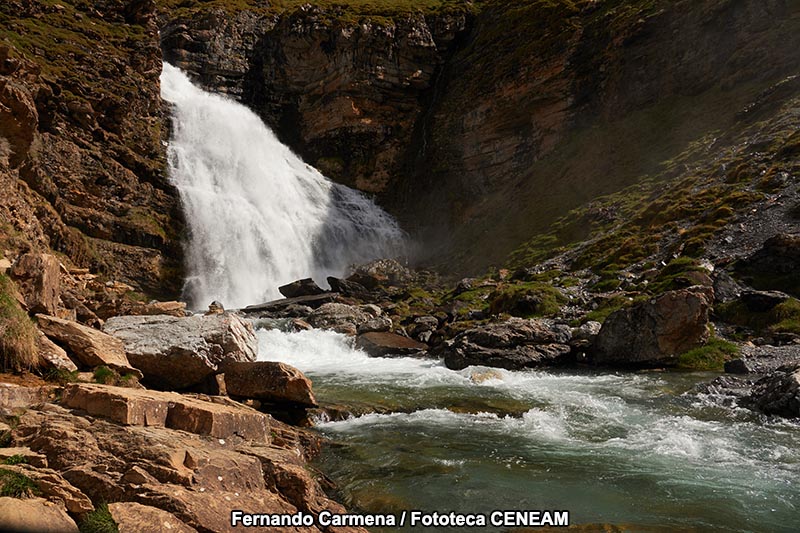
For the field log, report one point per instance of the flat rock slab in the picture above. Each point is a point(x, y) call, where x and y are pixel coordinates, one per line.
point(13, 397)
point(168, 409)
point(383, 344)
point(32, 458)
point(137, 518)
point(275, 305)
point(175, 353)
point(34, 514)
point(90, 346)
point(54, 487)
point(270, 381)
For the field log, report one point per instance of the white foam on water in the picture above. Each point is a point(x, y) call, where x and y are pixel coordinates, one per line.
point(258, 216)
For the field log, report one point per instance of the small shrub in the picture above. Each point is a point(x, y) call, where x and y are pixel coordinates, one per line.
point(18, 349)
point(105, 375)
point(15, 460)
point(61, 376)
point(17, 485)
point(99, 521)
point(712, 356)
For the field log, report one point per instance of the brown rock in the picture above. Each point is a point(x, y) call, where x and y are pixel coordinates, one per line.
point(53, 356)
point(383, 344)
point(54, 487)
point(34, 515)
point(168, 409)
point(137, 518)
point(32, 458)
point(270, 381)
point(655, 332)
point(302, 287)
point(14, 397)
point(90, 346)
point(38, 277)
point(173, 308)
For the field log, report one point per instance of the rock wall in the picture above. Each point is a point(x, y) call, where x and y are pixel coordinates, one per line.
point(82, 159)
point(480, 124)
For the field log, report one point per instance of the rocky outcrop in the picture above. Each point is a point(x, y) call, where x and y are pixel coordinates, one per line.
point(778, 393)
point(38, 277)
point(303, 287)
point(137, 518)
point(384, 344)
point(218, 419)
point(176, 353)
point(341, 318)
point(35, 514)
point(775, 264)
point(655, 332)
point(87, 345)
point(514, 344)
point(54, 487)
point(54, 356)
point(269, 381)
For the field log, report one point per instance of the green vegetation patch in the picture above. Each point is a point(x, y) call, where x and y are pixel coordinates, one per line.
point(15, 460)
point(532, 299)
point(17, 485)
point(109, 376)
point(783, 318)
point(711, 356)
point(98, 521)
point(18, 345)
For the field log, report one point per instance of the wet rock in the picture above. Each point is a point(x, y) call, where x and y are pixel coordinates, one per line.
point(52, 355)
point(341, 318)
point(137, 518)
point(384, 344)
point(777, 393)
point(762, 301)
point(270, 381)
point(655, 332)
point(303, 287)
point(176, 353)
point(38, 277)
point(764, 359)
point(277, 306)
point(514, 344)
point(34, 515)
point(168, 409)
point(89, 346)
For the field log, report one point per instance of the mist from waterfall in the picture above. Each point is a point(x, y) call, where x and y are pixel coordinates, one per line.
point(257, 215)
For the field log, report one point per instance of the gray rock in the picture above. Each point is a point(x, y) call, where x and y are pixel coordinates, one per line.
point(762, 301)
point(377, 324)
point(381, 273)
point(341, 318)
point(514, 344)
point(656, 332)
point(347, 288)
point(302, 287)
point(176, 353)
point(777, 393)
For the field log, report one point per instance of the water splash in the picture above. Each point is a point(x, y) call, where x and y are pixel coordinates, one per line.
point(258, 216)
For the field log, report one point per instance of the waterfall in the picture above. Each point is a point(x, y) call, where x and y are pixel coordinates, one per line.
point(258, 216)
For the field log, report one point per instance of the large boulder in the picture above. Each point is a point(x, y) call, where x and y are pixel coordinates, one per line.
point(220, 419)
point(655, 332)
point(39, 279)
point(51, 355)
point(176, 353)
point(302, 287)
point(775, 265)
point(385, 344)
point(269, 381)
point(34, 514)
point(778, 393)
point(341, 318)
point(513, 344)
point(88, 345)
point(381, 273)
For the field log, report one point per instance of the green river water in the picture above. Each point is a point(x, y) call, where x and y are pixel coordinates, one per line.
point(641, 450)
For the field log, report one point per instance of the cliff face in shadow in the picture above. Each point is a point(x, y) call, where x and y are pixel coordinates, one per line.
point(476, 123)
point(479, 124)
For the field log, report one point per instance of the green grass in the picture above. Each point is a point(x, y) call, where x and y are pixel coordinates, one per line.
point(18, 345)
point(98, 521)
point(783, 318)
point(15, 460)
point(712, 356)
point(61, 376)
point(531, 299)
point(17, 485)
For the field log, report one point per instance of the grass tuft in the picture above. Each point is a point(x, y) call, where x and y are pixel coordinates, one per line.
point(712, 356)
point(17, 485)
point(99, 521)
point(18, 350)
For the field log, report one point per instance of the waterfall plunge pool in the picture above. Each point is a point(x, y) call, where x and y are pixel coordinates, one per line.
point(638, 450)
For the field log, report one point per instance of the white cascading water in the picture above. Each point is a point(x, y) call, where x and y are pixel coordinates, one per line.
point(258, 216)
